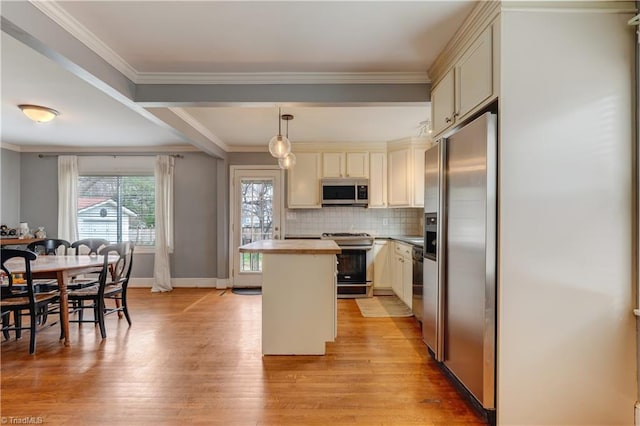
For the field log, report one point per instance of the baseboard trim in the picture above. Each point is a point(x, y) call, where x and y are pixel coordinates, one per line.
point(179, 282)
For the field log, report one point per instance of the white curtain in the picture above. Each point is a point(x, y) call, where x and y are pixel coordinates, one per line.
point(164, 182)
point(68, 197)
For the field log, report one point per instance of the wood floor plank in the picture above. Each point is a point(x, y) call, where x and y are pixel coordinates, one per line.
point(193, 356)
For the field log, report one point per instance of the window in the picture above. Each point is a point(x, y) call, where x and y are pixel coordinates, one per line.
point(117, 208)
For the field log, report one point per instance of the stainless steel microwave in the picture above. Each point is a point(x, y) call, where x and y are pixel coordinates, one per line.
point(345, 192)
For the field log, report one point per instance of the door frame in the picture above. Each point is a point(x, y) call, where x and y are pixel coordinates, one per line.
point(233, 171)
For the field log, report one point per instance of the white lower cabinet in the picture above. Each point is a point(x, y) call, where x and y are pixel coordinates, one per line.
point(382, 274)
point(402, 272)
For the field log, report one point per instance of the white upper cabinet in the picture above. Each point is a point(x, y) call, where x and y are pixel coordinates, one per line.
point(405, 183)
point(357, 164)
point(474, 75)
point(333, 165)
point(342, 165)
point(303, 183)
point(400, 178)
point(418, 177)
point(466, 86)
point(378, 180)
point(443, 103)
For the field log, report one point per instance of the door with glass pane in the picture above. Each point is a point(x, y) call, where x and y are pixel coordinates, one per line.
point(257, 204)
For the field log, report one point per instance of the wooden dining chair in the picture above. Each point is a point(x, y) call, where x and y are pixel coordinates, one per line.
point(112, 284)
point(90, 246)
point(49, 246)
point(23, 301)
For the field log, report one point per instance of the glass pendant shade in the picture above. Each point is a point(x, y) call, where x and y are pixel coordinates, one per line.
point(279, 146)
point(287, 162)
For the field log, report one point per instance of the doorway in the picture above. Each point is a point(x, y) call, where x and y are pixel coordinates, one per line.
point(256, 203)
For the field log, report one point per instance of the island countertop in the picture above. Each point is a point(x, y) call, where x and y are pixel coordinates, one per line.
point(291, 247)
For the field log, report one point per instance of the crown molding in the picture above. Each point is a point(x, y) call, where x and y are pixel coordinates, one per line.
point(614, 7)
point(10, 146)
point(191, 121)
point(284, 78)
point(60, 16)
point(52, 149)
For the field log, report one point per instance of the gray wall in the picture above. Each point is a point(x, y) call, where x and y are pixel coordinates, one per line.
point(10, 188)
point(196, 210)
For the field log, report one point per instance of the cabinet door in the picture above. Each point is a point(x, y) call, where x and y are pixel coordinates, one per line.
point(381, 265)
point(418, 176)
point(304, 181)
point(399, 178)
point(407, 280)
point(358, 164)
point(474, 76)
point(378, 179)
point(443, 103)
point(333, 165)
point(397, 282)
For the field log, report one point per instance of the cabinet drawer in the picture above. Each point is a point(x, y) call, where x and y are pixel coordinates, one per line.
point(403, 249)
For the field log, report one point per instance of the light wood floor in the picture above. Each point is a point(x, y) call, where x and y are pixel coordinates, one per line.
point(193, 356)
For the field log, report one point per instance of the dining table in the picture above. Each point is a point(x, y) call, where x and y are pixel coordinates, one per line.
point(63, 269)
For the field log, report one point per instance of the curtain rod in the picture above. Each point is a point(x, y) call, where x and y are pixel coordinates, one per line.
point(111, 155)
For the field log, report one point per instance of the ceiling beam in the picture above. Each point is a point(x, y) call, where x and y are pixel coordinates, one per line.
point(351, 94)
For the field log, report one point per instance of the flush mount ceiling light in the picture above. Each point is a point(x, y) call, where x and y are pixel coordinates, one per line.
point(39, 114)
point(279, 146)
point(289, 160)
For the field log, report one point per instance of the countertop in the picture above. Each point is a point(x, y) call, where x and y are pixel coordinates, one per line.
point(302, 246)
point(409, 239)
point(415, 240)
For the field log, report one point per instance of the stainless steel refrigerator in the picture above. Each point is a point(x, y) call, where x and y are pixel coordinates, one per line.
point(459, 320)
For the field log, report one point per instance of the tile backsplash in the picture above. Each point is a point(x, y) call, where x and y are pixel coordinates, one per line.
point(354, 219)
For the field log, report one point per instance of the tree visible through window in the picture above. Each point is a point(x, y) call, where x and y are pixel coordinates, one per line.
point(117, 208)
point(256, 219)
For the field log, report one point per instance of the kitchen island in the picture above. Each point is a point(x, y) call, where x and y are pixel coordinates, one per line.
point(298, 295)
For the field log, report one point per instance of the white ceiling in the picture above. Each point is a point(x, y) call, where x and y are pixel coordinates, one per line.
point(179, 41)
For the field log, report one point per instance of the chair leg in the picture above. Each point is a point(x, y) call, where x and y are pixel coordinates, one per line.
point(118, 307)
point(125, 308)
point(100, 317)
point(32, 337)
point(81, 311)
point(17, 319)
point(6, 321)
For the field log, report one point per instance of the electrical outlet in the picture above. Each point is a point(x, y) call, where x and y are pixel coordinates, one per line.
point(385, 221)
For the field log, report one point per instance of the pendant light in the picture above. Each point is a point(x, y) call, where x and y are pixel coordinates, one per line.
point(289, 160)
point(279, 146)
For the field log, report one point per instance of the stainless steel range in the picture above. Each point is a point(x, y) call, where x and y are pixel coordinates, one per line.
point(354, 263)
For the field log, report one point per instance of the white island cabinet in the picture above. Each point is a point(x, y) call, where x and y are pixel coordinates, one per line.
point(299, 304)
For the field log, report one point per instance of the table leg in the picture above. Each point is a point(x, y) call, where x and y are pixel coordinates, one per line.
point(63, 279)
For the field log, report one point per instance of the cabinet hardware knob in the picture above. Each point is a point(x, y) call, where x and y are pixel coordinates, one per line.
point(447, 120)
point(456, 115)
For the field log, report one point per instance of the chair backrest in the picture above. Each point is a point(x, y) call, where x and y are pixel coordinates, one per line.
point(119, 272)
point(89, 245)
point(49, 246)
point(26, 256)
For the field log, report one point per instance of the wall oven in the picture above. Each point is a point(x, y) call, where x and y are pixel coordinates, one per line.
point(354, 264)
